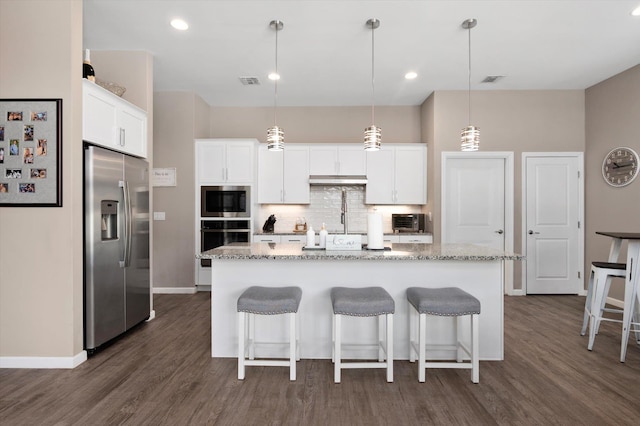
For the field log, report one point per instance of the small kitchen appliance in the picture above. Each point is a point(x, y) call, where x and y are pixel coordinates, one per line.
point(408, 222)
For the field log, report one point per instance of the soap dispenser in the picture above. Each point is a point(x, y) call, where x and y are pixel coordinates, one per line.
point(323, 236)
point(311, 237)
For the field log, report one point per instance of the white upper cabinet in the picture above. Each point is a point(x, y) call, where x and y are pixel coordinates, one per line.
point(225, 161)
point(112, 122)
point(396, 174)
point(283, 176)
point(341, 159)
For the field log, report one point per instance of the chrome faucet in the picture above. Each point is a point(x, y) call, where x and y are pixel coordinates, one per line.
point(343, 210)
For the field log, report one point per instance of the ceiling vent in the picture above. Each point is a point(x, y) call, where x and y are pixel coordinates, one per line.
point(492, 78)
point(249, 81)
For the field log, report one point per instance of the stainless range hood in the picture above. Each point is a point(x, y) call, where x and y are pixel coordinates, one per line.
point(337, 180)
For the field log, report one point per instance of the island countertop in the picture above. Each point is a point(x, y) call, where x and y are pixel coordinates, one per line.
point(399, 251)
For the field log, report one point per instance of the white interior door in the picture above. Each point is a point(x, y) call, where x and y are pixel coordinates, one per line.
point(474, 200)
point(552, 223)
point(477, 202)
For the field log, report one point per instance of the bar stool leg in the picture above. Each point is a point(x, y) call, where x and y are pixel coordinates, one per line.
point(381, 334)
point(333, 338)
point(456, 334)
point(337, 348)
point(475, 349)
point(596, 307)
point(422, 351)
point(292, 346)
point(297, 337)
point(252, 335)
point(587, 305)
point(412, 331)
point(389, 348)
point(241, 337)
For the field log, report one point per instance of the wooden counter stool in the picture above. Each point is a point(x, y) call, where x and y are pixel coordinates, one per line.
point(597, 292)
point(267, 301)
point(448, 301)
point(363, 302)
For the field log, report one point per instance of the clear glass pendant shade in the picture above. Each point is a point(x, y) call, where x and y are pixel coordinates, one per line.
point(470, 138)
point(275, 138)
point(372, 138)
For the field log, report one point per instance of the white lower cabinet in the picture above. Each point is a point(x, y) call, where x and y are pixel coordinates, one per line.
point(423, 239)
point(294, 239)
point(266, 238)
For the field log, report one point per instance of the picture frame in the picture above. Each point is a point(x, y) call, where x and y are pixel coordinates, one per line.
point(31, 146)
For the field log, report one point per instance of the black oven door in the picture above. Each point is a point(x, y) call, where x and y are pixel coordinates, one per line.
point(222, 232)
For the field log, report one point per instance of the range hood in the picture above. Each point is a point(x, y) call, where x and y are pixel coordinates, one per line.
point(337, 180)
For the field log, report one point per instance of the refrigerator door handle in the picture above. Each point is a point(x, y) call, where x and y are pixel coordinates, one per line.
point(128, 224)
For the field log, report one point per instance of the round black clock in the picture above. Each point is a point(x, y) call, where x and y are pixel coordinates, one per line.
point(620, 166)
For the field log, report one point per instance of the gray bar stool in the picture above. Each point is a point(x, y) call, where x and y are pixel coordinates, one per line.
point(363, 302)
point(267, 301)
point(447, 301)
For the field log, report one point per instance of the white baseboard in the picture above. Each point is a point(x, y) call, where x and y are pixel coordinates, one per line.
point(204, 288)
point(516, 292)
point(174, 290)
point(615, 302)
point(42, 361)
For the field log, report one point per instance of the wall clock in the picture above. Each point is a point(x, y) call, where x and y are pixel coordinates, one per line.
point(620, 166)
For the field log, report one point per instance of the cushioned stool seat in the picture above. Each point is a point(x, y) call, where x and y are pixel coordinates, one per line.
point(446, 301)
point(266, 301)
point(363, 302)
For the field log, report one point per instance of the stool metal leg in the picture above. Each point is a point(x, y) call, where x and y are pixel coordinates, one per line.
point(241, 337)
point(389, 347)
point(337, 348)
point(587, 305)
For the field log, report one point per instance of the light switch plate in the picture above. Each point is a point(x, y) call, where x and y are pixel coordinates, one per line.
point(158, 215)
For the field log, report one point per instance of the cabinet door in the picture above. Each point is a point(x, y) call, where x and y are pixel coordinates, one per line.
point(352, 160)
point(323, 160)
point(211, 162)
point(410, 175)
point(270, 176)
point(99, 116)
point(296, 175)
point(294, 239)
point(240, 162)
point(380, 175)
point(390, 239)
point(132, 129)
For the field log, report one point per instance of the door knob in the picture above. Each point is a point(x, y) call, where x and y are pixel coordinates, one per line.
point(531, 232)
point(499, 231)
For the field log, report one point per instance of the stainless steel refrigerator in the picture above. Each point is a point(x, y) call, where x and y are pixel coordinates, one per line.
point(116, 253)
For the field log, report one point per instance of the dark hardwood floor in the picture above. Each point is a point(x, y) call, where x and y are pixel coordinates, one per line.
point(162, 374)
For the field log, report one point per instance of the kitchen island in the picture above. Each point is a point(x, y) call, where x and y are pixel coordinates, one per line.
point(475, 269)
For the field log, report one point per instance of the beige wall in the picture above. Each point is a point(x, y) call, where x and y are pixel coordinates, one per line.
point(41, 249)
point(318, 124)
point(517, 121)
point(180, 118)
point(612, 116)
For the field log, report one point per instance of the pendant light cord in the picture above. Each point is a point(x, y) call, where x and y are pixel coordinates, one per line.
point(469, 91)
point(275, 98)
point(373, 77)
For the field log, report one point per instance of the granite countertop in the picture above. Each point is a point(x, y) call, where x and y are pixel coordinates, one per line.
point(340, 233)
point(399, 251)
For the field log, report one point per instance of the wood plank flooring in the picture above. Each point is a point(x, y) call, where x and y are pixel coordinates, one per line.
point(161, 373)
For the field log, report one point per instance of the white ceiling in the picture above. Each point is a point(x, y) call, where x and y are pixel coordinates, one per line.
point(325, 46)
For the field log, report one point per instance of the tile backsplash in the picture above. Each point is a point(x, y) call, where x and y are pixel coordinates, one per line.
point(324, 207)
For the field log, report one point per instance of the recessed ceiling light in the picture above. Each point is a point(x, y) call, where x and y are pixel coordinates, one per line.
point(274, 76)
point(636, 11)
point(410, 75)
point(179, 24)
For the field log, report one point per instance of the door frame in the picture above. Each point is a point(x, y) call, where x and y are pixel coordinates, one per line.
point(509, 202)
point(580, 157)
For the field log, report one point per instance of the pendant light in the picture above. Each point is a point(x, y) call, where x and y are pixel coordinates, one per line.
point(470, 136)
point(275, 134)
point(372, 134)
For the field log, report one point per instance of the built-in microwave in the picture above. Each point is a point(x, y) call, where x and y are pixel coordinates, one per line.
point(225, 201)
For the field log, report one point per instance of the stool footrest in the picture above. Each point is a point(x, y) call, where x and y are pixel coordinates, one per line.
point(267, 362)
point(463, 365)
point(372, 364)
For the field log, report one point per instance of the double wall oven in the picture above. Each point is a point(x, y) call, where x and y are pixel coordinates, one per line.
point(225, 217)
